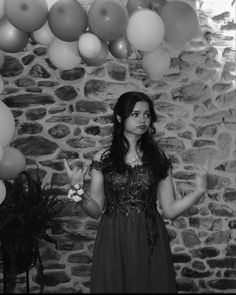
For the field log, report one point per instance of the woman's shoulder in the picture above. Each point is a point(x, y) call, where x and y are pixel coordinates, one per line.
point(98, 155)
point(97, 161)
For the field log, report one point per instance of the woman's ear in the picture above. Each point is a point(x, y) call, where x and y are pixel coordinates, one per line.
point(118, 118)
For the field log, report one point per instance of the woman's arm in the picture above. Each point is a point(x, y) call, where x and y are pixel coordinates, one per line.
point(171, 207)
point(93, 202)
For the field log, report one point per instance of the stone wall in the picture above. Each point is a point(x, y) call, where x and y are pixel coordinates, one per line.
point(68, 114)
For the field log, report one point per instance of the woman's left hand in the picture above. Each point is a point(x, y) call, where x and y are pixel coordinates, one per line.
point(201, 177)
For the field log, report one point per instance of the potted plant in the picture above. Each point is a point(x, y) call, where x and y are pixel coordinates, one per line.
point(29, 210)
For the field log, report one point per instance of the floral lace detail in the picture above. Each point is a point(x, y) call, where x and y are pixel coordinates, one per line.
point(134, 191)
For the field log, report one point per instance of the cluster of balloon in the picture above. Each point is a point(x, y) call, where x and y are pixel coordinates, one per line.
point(74, 34)
point(12, 161)
point(164, 27)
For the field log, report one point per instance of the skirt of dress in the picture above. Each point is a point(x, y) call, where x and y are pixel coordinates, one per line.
point(121, 257)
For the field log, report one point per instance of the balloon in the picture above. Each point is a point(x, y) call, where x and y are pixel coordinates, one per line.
point(64, 55)
point(156, 63)
point(50, 3)
point(26, 15)
point(1, 152)
point(173, 52)
point(145, 30)
point(181, 23)
point(2, 10)
point(2, 191)
point(44, 35)
point(89, 45)
point(11, 39)
point(7, 120)
point(1, 84)
point(133, 5)
point(13, 162)
point(107, 19)
point(120, 48)
point(100, 58)
point(192, 3)
point(1, 59)
point(67, 20)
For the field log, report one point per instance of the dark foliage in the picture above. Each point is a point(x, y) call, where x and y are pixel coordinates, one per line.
point(29, 210)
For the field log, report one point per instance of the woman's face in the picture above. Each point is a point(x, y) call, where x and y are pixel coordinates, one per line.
point(139, 120)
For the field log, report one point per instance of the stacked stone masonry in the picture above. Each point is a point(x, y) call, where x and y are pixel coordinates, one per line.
point(68, 114)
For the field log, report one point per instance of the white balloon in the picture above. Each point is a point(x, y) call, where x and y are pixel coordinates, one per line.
point(64, 55)
point(1, 84)
point(7, 123)
point(44, 35)
point(156, 63)
point(2, 9)
point(89, 45)
point(145, 30)
point(2, 191)
point(1, 152)
point(1, 58)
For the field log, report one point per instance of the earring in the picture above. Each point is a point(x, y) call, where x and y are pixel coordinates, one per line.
point(118, 118)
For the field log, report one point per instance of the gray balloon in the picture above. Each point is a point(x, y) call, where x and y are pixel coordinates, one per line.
point(11, 39)
point(120, 48)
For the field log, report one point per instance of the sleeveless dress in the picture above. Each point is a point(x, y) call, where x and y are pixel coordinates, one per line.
point(131, 252)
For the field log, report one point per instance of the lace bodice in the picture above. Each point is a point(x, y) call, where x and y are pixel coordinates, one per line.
point(133, 191)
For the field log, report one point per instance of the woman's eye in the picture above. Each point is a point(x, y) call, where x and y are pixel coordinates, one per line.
point(134, 114)
point(147, 115)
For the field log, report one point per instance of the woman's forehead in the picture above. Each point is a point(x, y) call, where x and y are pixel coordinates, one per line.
point(141, 106)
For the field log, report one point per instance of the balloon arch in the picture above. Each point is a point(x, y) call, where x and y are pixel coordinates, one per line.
point(88, 31)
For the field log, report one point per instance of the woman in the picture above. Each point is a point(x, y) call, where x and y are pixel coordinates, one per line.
point(132, 252)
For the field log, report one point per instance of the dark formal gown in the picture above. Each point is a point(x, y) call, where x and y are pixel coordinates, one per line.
point(131, 252)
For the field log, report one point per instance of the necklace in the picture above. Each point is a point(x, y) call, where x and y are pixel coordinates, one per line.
point(132, 159)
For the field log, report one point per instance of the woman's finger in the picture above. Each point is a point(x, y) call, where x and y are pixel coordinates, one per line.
point(86, 169)
point(66, 165)
point(207, 164)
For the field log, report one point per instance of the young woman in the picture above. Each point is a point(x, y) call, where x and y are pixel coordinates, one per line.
point(132, 252)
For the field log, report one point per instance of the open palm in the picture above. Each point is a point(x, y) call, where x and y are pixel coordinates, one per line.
point(201, 177)
point(76, 175)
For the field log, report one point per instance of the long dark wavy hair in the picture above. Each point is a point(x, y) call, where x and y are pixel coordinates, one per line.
point(151, 153)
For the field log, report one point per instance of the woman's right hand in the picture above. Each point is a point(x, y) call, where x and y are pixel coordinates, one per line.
point(76, 175)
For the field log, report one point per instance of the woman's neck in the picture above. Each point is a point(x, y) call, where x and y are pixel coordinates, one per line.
point(132, 139)
point(133, 156)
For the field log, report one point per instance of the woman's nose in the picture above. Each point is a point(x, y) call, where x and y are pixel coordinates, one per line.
point(142, 119)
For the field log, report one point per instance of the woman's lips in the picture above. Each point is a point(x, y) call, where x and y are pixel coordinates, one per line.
point(142, 127)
